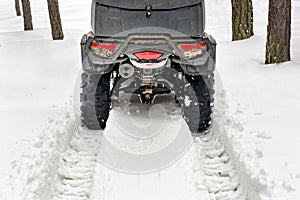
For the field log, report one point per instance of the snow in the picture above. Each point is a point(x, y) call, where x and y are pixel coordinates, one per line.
point(39, 76)
point(265, 101)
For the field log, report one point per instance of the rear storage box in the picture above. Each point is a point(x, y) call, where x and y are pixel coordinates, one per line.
point(110, 17)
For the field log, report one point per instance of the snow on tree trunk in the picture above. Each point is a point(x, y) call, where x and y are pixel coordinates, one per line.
point(27, 15)
point(54, 15)
point(279, 31)
point(242, 19)
point(17, 6)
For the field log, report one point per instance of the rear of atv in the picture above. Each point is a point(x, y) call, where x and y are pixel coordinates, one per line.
point(148, 60)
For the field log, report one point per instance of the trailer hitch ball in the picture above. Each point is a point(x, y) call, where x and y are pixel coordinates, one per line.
point(126, 70)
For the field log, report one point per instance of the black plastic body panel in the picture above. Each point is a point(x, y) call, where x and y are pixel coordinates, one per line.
point(110, 17)
point(156, 4)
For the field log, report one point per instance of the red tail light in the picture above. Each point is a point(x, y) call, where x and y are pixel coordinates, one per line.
point(148, 55)
point(110, 47)
point(187, 47)
point(191, 51)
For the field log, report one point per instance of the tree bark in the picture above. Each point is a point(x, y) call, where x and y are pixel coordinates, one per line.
point(55, 20)
point(242, 19)
point(17, 6)
point(27, 15)
point(279, 32)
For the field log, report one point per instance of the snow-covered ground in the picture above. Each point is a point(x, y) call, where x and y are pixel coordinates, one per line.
point(38, 77)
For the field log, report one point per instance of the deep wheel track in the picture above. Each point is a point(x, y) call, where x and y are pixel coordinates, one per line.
point(77, 168)
point(220, 177)
point(76, 171)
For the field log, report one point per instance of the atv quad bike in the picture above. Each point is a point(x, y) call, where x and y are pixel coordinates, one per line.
point(148, 48)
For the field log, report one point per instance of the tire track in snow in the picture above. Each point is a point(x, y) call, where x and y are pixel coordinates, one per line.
point(77, 171)
point(220, 178)
point(77, 167)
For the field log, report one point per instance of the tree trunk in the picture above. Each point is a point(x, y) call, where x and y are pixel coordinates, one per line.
point(17, 6)
point(27, 15)
point(242, 19)
point(54, 15)
point(279, 31)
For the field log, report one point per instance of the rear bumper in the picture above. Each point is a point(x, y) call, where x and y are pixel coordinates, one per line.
point(203, 64)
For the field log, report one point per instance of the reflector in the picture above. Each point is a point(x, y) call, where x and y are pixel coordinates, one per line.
point(187, 47)
point(109, 47)
point(148, 55)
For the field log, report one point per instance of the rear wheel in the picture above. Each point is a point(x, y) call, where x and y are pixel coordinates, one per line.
point(95, 100)
point(198, 102)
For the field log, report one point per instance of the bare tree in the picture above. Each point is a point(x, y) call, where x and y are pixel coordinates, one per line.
point(27, 15)
point(242, 19)
point(55, 20)
point(279, 31)
point(17, 6)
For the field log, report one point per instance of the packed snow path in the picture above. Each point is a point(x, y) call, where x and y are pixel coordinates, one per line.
point(79, 179)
